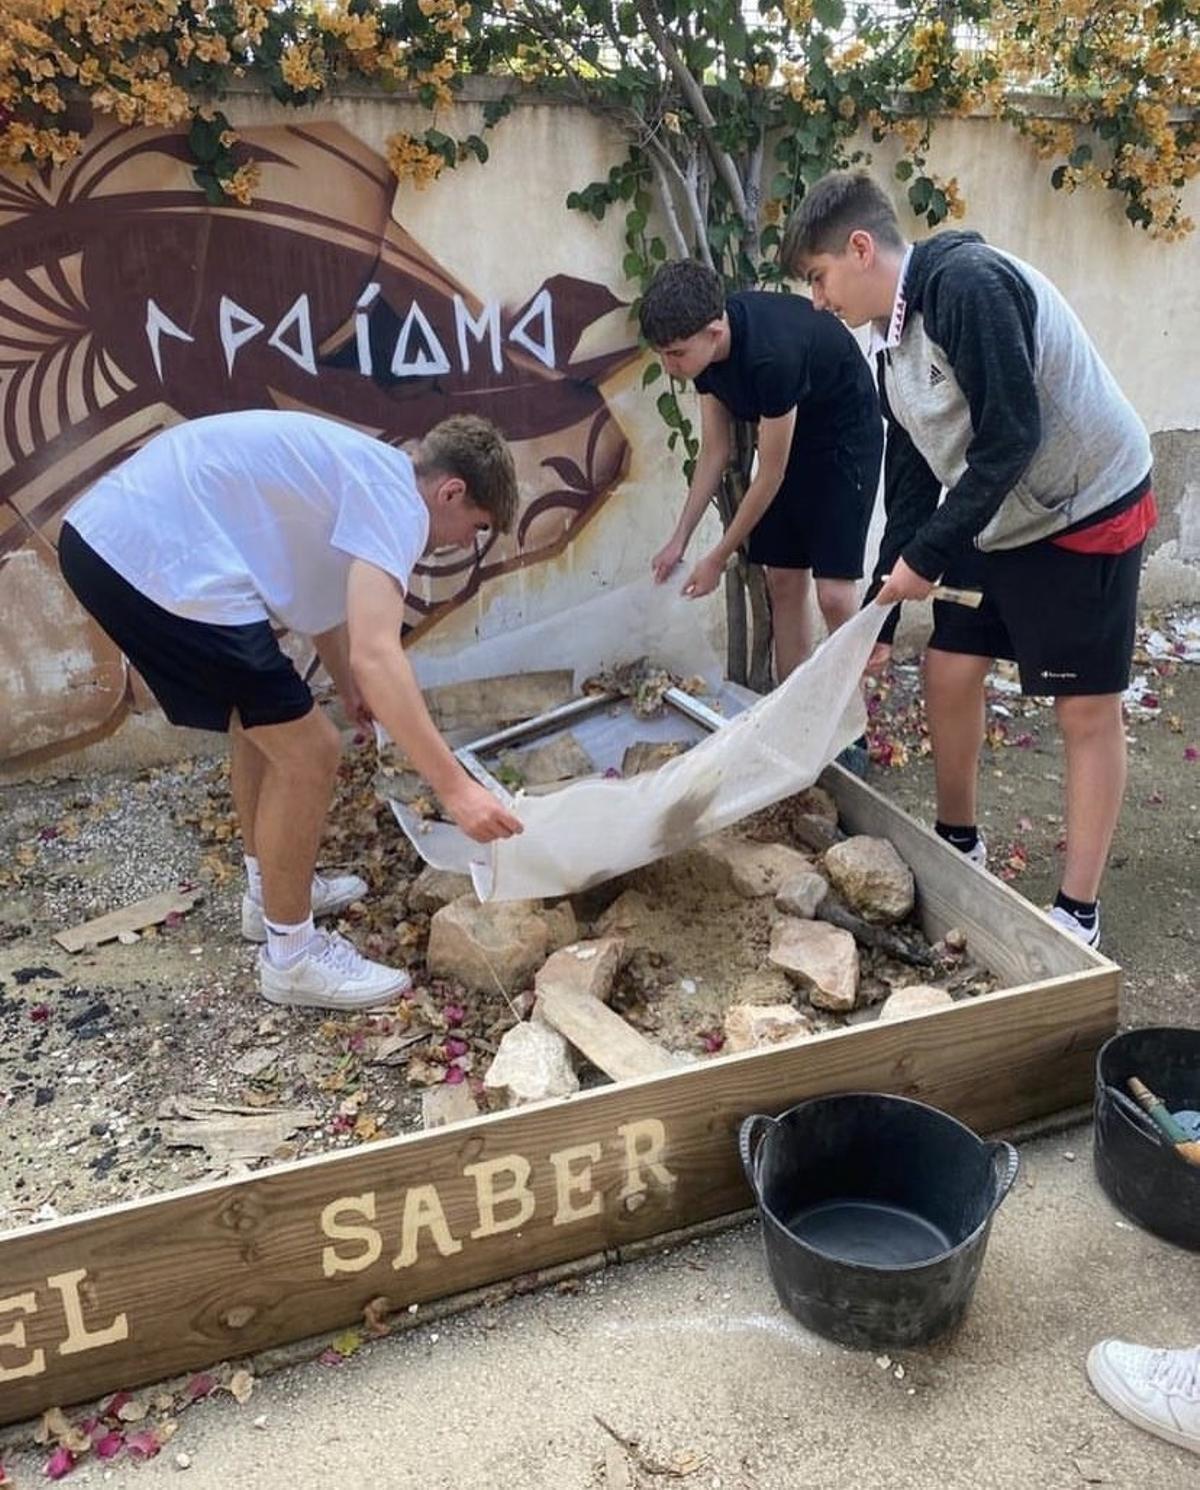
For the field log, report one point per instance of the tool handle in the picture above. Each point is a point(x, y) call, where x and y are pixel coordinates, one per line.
point(1158, 1110)
point(971, 598)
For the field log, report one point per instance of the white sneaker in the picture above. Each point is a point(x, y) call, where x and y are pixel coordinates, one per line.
point(1088, 935)
point(328, 896)
point(330, 975)
point(1158, 1390)
point(978, 854)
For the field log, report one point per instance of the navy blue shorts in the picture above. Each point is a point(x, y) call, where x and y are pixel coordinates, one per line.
point(199, 673)
point(1066, 619)
point(819, 517)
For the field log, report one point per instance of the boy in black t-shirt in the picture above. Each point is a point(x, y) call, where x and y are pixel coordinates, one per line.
point(798, 374)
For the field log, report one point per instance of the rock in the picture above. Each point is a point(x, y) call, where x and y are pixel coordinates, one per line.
point(628, 911)
point(815, 801)
point(873, 878)
point(766, 985)
point(816, 833)
point(434, 888)
point(584, 967)
point(800, 894)
point(559, 759)
point(748, 1026)
point(753, 869)
point(561, 926)
point(955, 940)
point(914, 999)
point(532, 1064)
point(482, 946)
point(648, 755)
point(445, 1104)
point(820, 958)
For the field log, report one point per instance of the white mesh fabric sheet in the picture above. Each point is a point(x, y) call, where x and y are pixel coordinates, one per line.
point(598, 827)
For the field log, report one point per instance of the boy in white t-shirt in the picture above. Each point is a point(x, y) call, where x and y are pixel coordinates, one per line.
point(187, 552)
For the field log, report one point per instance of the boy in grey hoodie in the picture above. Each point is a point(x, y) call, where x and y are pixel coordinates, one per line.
point(994, 394)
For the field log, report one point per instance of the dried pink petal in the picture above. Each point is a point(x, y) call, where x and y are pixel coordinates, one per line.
point(454, 1014)
point(201, 1385)
point(110, 1445)
point(455, 1076)
point(144, 1443)
point(454, 1048)
point(61, 1462)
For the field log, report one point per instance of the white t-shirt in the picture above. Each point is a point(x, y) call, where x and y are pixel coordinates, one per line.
point(256, 515)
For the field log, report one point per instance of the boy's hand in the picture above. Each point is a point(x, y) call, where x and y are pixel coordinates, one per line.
point(880, 658)
point(480, 815)
point(903, 584)
point(705, 577)
point(669, 557)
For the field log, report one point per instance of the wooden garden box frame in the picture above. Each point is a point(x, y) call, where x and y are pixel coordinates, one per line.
point(148, 1289)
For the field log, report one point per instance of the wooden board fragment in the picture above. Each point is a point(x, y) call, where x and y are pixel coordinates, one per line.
point(600, 1033)
point(135, 917)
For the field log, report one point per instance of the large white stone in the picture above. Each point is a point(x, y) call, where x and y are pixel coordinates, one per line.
point(873, 877)
point(434, 888)
point(749, 1026)
point(820, 958)
point(583, 967)
point(482, 946)
point(915, 999)
point(754, 869)
point(532, 1064)
point(801, 894)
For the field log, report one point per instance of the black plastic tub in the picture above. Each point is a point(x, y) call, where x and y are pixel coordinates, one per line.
point(875, 1214)
point(1135, 1164)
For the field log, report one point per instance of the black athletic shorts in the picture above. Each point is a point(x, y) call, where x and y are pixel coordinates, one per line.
point(1066, 619)
point(198, 672)
point(819, 517)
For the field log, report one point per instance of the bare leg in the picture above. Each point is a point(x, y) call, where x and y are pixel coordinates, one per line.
point(1094, 742)
point(246, 766)
point(791, 618)
point(838, 601)
point(295, 788)
point(954, 707)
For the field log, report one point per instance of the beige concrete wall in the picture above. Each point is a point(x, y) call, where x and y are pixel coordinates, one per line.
point(502, 229)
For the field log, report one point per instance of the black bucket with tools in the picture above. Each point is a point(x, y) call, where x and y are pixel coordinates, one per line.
point(875, 1214)
point(1155, 1181)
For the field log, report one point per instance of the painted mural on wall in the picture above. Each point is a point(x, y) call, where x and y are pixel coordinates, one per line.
point(127, 304)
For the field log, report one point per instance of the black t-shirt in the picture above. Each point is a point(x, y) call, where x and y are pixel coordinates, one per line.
point(785, 355)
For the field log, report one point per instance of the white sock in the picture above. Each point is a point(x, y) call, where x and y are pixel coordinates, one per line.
point(253, 878)
point(287, 944)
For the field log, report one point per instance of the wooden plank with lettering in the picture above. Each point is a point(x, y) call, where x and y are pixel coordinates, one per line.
point(134, 917)
point(600, 1033)
point(151, 1288)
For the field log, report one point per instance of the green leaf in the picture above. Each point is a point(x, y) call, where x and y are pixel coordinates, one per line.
point(658, 249)
point(211, 187)
point(1057, 176)
point(635, 221)
point(1080, 155)
point(830, 13)
point(652, 374)
point(919, 194)
point(904, 169)
point(204, 139)
point(668, 410)
point(632, 265)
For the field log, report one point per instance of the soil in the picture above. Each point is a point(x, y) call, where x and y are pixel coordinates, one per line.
point(94, 1042)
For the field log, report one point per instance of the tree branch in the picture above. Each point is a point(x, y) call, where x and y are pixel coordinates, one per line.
point(666, 196)
point(694, 94)
point(663, 158)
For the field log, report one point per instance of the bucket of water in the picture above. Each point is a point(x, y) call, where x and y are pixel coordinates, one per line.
point(875, 1212)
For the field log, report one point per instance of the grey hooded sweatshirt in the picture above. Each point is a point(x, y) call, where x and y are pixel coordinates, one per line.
point(995, 393)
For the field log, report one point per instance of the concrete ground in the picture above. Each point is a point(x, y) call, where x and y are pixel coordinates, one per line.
point(689, 1357)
